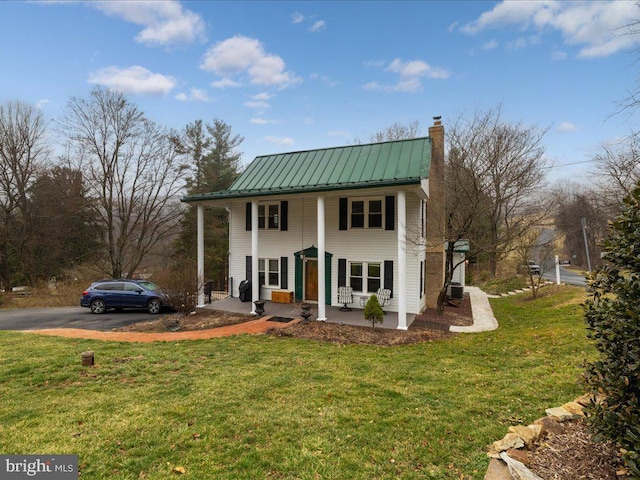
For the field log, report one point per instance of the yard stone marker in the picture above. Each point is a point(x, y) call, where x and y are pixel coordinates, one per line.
point(87, 359)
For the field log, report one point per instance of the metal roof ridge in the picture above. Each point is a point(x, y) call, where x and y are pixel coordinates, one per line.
point(355, 145)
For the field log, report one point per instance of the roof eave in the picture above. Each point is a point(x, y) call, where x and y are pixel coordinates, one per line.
point(232, 195)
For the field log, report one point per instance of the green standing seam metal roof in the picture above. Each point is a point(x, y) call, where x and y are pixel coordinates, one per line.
point(399, 162)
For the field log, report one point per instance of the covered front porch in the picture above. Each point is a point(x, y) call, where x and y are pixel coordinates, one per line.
point(292, 310)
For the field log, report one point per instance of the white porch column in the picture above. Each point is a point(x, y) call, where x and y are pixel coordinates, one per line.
point(401, 291)
point(255, 275)
point(322, 310)
point(200, 237)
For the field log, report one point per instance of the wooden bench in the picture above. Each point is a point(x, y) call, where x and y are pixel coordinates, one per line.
point(282, 296)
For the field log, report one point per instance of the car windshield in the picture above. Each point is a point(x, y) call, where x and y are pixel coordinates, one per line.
point(149, 286)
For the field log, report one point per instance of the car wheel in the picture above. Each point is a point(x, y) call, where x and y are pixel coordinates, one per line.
point(98, 306)
point(154, 306)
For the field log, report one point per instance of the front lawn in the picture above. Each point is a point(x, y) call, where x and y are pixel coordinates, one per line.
point(275, 407)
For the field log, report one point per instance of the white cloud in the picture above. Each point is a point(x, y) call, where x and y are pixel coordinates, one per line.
point(281, 141)
point(410, 76)
point(195, 95)
point(490, 45)
point(164, 23)
point(134, 79)
point(566, 127)
point(324, 79)
point(262, 121)
point(41, 103)
point(262, 96)
point(225, 82)
point(257, 104)
point(598, 28)
point(318, 26)
point(242, 57)
point(297, 18)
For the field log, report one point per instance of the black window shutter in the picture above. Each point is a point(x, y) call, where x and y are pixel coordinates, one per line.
point(388, 275)
point(284, 215)
point(390, 213)
point(248, 268)
point(344, 212)
point(248, 217)
point(421, 278)
point(284, 274)
point(342, 272)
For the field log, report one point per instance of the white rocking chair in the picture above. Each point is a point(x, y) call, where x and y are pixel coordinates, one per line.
point(345, 296)
point(384, 297)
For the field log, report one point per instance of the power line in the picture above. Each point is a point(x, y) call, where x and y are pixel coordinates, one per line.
point(568, 164)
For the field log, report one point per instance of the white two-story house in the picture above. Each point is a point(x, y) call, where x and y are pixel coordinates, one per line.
point(364, 216)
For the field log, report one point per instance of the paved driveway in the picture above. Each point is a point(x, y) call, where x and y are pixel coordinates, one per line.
point(67, 317)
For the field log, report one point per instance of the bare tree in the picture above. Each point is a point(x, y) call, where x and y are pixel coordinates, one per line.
point(573, 202)
point(23, 150)
point(536, 243)
point(507, 163)
point(616, 172)
point(396, 131)
point(133, 174)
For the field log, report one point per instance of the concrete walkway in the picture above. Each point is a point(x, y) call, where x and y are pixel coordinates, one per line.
point(483, 319)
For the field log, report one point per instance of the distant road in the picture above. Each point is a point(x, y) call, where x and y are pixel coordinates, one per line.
point(566, 276)
point(67, 317)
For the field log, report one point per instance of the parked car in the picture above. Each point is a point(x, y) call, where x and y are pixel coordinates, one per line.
point(530, 268)
point(124, 293)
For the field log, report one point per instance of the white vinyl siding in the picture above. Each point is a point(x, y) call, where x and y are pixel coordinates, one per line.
point(371, 246)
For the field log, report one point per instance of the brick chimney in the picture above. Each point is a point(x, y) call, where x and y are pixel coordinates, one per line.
point(435, 257)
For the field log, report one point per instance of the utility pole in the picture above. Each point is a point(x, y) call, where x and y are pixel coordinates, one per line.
point(586, 245)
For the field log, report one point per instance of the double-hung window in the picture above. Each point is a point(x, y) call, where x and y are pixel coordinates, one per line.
point(269, 216)
point(365, 276)
point(269, 269)
point(367, 213)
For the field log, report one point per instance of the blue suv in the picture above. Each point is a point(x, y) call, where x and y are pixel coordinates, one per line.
point(120, 294)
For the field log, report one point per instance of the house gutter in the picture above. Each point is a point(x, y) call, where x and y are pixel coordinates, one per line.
point(231, 195)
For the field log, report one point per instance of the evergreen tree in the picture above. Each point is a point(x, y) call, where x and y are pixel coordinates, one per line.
point(212, 152)
point(613, 319)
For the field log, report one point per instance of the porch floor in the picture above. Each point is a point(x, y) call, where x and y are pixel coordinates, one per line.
point(334, 314)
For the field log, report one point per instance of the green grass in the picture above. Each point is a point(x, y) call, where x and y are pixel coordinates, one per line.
point(268, 407)
point(497, 286)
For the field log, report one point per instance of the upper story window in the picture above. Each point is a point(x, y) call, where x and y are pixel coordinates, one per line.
point(269, 216)
point(367, 213)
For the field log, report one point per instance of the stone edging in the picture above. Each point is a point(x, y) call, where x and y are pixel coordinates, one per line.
point(509, 455)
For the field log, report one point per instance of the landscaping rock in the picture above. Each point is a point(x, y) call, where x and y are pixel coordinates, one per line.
point(550, 425)
point(574, 408)
point(522, 456)
point(510, 440)
point(528, 436)
point(518, 470)
point(497, 470)
point(561, 414)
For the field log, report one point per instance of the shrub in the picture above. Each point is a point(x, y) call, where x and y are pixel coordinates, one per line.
point(180, 284)
point(373, 311)
point(612, 313)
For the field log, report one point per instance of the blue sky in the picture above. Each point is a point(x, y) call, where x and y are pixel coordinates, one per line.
point(300, 75)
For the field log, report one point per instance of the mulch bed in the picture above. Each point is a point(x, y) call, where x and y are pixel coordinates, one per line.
point(573, 455)
point(197, 321)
